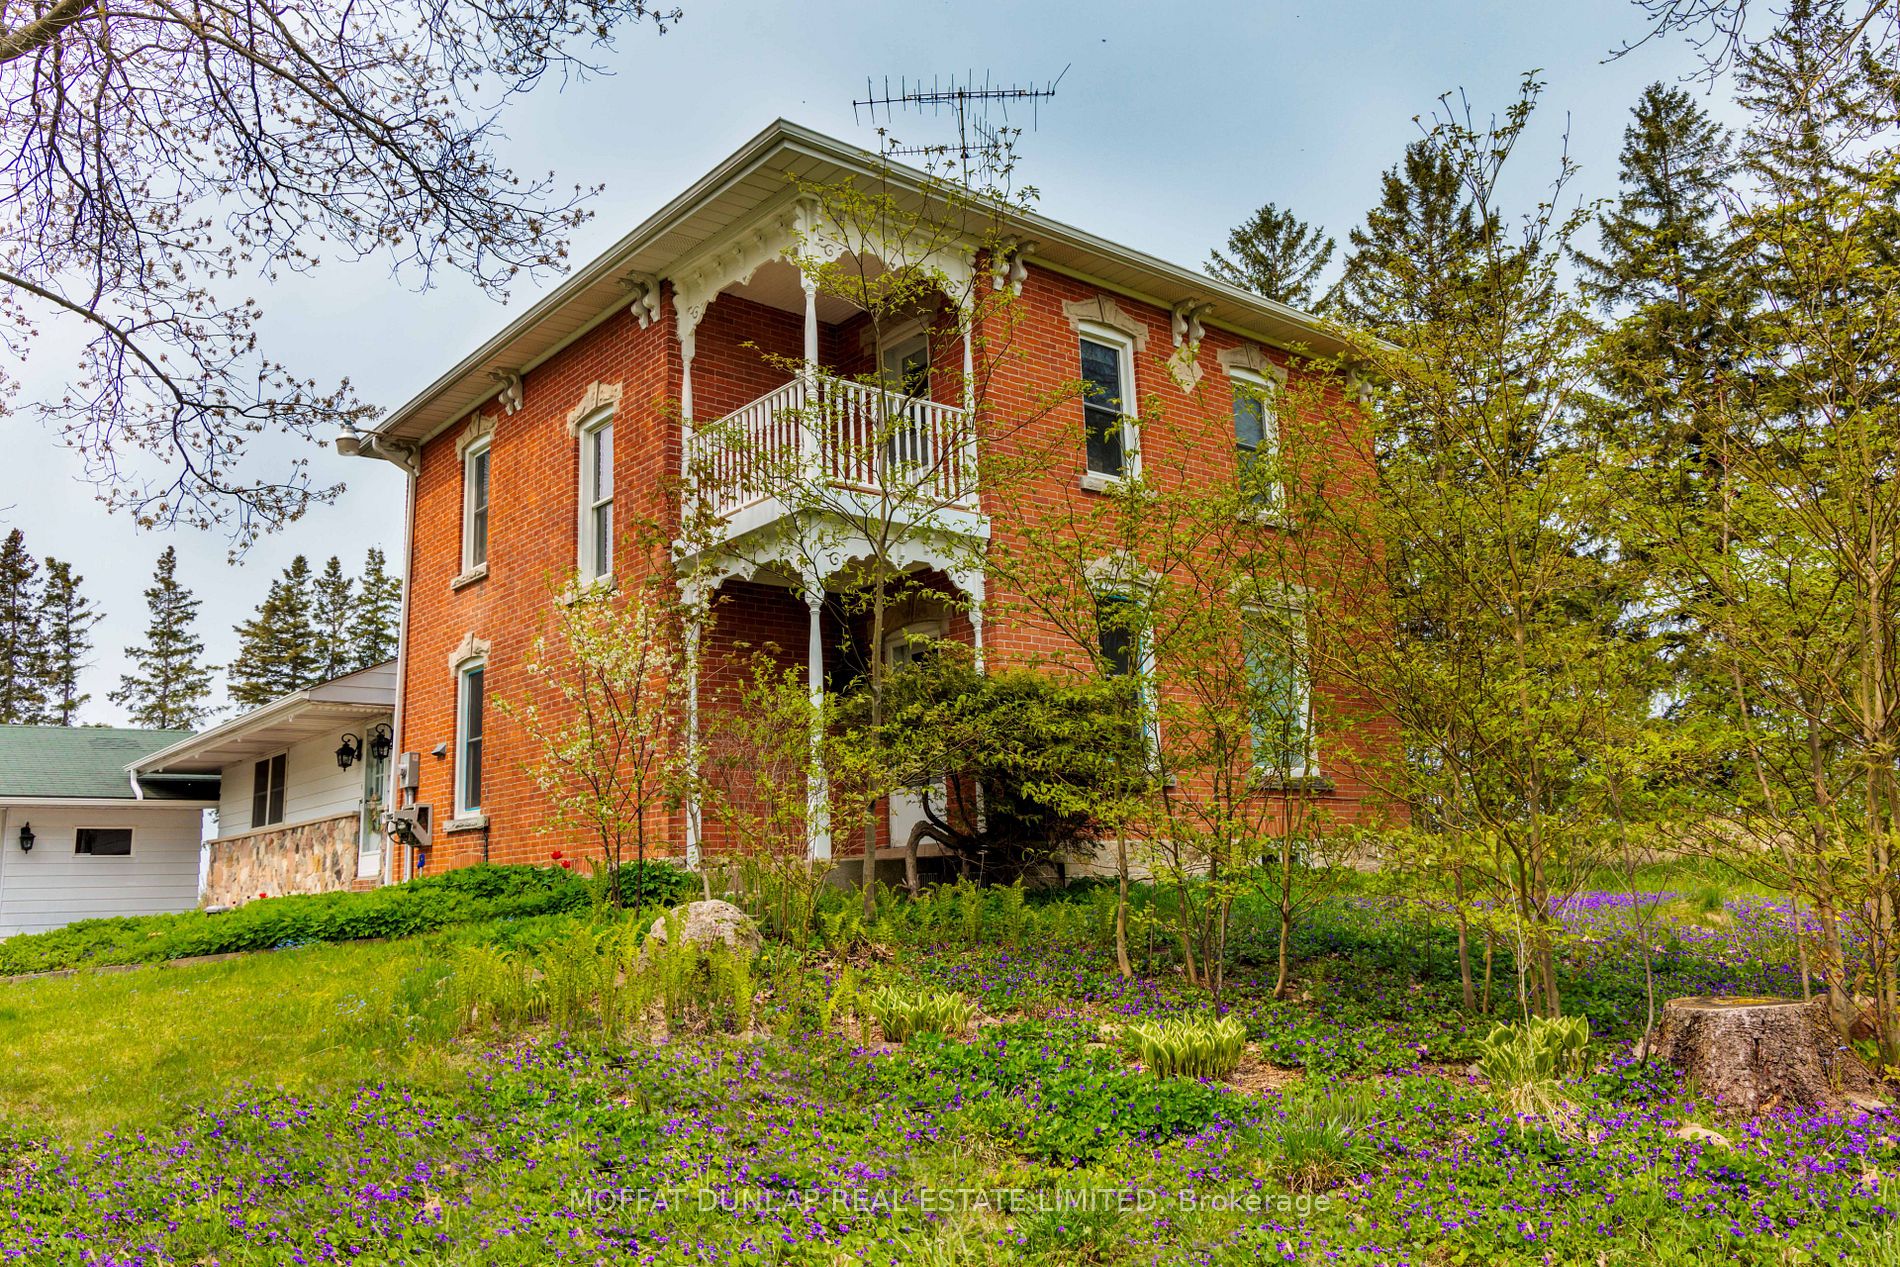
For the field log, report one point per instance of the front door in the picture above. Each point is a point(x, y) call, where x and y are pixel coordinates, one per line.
point(369, 843)
point(905, 647)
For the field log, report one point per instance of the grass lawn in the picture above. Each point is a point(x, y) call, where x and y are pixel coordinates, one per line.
point(332, 1104)
point(149, 1047)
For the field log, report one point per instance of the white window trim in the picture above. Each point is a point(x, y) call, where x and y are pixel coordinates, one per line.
point(1270, 385)
point(264, 760)
point(463, 810)
point(1148, 682)
point(585, 549)
point(471, 567)
point(1124, 343)
point(1309, 767)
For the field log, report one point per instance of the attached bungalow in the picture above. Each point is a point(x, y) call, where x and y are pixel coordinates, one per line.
point(304, 780)
point(79, 839)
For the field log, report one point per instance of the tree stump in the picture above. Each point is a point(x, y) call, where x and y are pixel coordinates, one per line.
point(1759, 1054)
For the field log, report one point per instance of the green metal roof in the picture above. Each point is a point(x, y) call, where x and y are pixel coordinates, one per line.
point(78, 761)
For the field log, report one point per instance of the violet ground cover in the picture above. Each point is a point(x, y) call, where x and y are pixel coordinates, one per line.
point(1033, 1142)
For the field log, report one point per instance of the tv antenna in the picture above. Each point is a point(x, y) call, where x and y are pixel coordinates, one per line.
point(981, 143)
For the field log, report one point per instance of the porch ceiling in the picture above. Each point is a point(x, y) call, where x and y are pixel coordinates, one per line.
point(777, 285)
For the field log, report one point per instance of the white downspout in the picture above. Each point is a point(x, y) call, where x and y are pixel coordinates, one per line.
point(392, 795)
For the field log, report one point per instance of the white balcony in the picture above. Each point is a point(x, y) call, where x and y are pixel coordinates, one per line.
point(821, 442)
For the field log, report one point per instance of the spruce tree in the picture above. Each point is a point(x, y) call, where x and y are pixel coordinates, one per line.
point(22, 639)
point(66, 619)
point(1409, 261)
point(1275, 254)
point(332, 609)
point(171, 686)
point(277, 647)
point(373, 629)
point(1666, 271)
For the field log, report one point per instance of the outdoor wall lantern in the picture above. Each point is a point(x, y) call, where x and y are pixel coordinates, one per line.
point(348, 751)
point(26, 838)
point(381, 742)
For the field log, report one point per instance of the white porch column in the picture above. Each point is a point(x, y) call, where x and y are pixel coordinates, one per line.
point(688, 344)
point(810, 285)
point(695, 609)
point(818, 788)
point(972, 584)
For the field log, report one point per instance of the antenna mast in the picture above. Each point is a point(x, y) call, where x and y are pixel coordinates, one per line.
point(981, 145)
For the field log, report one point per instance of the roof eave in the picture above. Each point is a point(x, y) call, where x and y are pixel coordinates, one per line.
point(1275, 323)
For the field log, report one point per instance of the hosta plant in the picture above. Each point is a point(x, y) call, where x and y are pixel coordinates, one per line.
point(1199, 1047)
point(1525, 1063)
point(904, 1014)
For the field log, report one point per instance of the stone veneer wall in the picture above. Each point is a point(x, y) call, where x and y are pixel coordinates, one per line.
point(314, 857)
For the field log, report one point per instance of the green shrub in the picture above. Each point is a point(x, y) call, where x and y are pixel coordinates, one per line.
point(1189, 1048)
point(905, 1014)
point(1524, 1064)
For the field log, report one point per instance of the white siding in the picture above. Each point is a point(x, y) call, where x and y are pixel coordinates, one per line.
point(314, 787)
point(54, 885)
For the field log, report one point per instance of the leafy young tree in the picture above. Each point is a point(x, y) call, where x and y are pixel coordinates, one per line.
point(22, 636)
point(67, 617)
point(604, 716)
point(277, 647)
point(1502, 600)
point(1790, 578)
point(154, 152)
point(170, 688)
point(1276, 254)
point(378, 612)
point(332, 607)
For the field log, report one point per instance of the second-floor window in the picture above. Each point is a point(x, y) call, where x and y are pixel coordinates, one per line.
point(475, 507)
point(1108, 385)
point(1256, 440)
point(597, 499)
point(267, 791)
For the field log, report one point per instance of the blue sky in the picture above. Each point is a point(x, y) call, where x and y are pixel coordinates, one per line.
point(1173, 123)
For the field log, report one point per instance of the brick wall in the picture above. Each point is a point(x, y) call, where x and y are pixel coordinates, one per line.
point(532, 534)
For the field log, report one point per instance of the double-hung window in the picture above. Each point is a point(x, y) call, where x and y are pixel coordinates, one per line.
point(475, 506)
point(468, 739)
point(267, 792)
point(1108, 394)
point(1257, 440)
point(597, 499)
point(1279, 691)
point(1121, 645)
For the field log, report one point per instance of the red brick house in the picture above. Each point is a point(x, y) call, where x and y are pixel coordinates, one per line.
point(529, 458)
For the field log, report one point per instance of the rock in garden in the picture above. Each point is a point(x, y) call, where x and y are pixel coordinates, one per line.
point(1761, 1053)
point(703, 923)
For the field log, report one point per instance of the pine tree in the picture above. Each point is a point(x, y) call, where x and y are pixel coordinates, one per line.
point(332, 608)
point(1416, 248)
point(1276, 254)
point(277, 648)
point(66, 618)
point(171, 689)
point(1666, 270)
point(22, 642)
point(373, 629)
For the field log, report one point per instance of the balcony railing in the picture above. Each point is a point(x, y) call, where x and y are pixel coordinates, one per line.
point(821, 432)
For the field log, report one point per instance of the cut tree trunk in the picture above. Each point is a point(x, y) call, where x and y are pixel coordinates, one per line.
point(1758, 1054)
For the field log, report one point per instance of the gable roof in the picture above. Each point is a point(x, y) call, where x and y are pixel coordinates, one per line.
point(753, 178)
point(85, 762)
